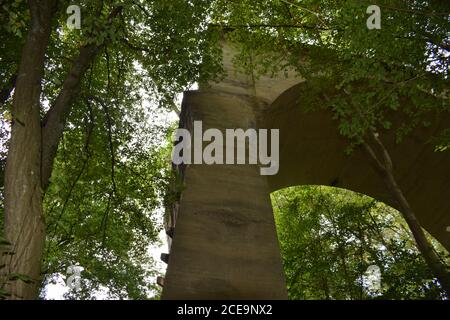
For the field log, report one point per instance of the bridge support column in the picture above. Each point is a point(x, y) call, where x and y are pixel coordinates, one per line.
point(225, 244)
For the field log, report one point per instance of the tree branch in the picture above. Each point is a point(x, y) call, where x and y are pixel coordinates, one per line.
point(263, 25)
point(55, 119)
point(385, 168)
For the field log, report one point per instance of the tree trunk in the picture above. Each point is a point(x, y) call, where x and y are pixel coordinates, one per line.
point(383, 165)
point(23, 217)
point(32, 151)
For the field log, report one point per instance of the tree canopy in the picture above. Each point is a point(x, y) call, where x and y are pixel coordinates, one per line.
point(330, 237)
point(88, 154)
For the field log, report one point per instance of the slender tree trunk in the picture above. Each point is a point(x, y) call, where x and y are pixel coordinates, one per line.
point(55, 119)
point(382, 162)
point(23, 217)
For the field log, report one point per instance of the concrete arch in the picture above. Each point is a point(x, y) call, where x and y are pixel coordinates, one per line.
point(312, 152)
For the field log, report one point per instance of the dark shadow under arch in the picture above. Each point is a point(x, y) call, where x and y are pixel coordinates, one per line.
point(312, 152)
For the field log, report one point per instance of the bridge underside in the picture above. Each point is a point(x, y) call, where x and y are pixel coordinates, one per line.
point(312, 153)
point(225, 244)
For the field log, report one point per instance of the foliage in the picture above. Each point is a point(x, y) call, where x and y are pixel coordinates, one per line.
point(329, 237)
point(363, 75)
point(102, 205)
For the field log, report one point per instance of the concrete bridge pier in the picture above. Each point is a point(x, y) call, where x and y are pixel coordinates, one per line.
point(225, 244)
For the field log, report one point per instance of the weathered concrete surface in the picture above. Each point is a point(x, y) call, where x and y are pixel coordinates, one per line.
point(225, 244)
